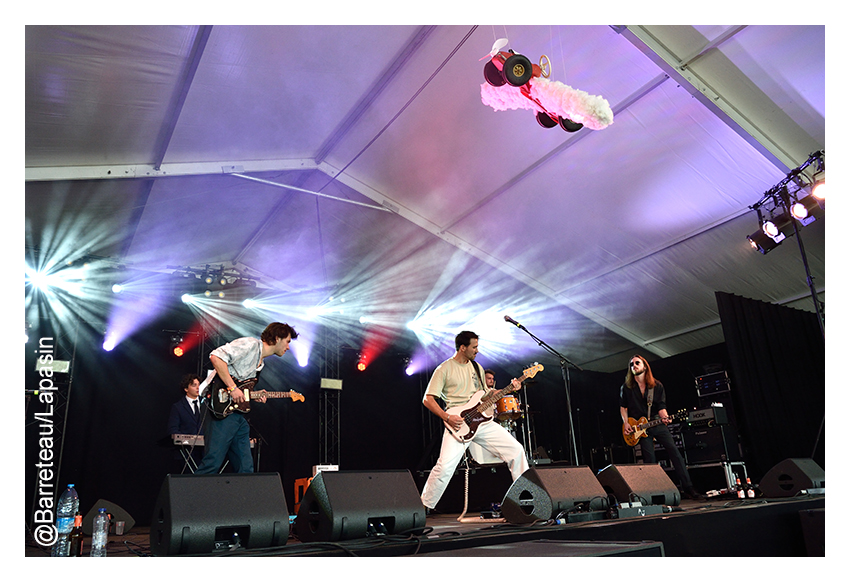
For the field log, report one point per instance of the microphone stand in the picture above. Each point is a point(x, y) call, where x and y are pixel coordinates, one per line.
point(565, 364)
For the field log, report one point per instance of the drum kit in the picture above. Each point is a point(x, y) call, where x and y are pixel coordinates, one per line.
point(508, 412)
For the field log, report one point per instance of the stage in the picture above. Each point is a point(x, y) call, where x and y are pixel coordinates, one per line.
point(728, 527)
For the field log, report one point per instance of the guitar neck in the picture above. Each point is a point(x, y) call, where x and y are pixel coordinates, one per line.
point(658, 421)
point(276, 394)
point(493, 397)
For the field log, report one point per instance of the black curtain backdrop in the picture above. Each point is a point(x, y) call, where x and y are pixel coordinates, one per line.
point(116, 446)
point(777, 358)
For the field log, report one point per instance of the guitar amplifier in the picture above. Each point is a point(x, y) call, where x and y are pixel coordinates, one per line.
point(711, 444)
point(710, 416)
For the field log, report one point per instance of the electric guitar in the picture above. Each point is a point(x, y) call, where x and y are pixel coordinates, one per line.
point(221, 404)
point(479, 408)
point(642, 425)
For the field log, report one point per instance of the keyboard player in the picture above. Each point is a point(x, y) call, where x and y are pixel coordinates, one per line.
point(186, 418)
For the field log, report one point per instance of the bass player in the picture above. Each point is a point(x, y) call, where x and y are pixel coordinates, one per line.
point(456, 381)
point(634, 402)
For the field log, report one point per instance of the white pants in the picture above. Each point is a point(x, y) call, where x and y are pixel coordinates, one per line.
point(492, 437)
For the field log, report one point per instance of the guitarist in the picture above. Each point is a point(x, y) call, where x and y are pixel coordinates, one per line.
point(455, 381)
point(234, 362)
point(634, 403)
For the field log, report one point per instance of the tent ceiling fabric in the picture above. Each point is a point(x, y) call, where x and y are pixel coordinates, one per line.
point(140, 141)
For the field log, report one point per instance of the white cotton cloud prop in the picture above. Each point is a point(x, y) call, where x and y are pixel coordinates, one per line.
point(555, 97)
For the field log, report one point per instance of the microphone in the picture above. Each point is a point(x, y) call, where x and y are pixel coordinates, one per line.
point(510, 319)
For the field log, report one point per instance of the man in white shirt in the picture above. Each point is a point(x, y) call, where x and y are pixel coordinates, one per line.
point(455, 381)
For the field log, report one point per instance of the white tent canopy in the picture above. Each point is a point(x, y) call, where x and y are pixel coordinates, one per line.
point(360, 162)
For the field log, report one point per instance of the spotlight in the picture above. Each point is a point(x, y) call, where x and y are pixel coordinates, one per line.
point(177, 345)
point(807, 210)
point(761, 242)
point(250, 303)
point(117, 288)
point(361, 363)
point(819, 190)
point(776, 227)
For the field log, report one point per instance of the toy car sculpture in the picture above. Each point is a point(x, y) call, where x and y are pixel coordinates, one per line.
point(514, 82)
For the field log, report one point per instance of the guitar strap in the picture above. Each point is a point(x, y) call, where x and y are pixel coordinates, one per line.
point(649, 403)
point(478, 373)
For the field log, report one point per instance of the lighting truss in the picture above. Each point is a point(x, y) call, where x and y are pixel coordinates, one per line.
point(791, 202)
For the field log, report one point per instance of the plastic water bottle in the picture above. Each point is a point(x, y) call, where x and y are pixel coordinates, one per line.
point(99, 533)
point(66, 509)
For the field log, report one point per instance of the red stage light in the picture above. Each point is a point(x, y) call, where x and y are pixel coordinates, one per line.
point(178, 351)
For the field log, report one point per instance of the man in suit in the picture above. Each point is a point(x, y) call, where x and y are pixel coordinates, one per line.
point(186, 418)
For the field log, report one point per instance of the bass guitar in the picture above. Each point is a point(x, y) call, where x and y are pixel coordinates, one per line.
point(642, 425)
point(479, 408)
point(221, 404)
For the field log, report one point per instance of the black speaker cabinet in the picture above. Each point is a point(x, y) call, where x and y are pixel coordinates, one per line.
point(791, 476)
point(199, 514)
point(711, 444)
point(344, 505)
point(648, 484)
point(544, 492)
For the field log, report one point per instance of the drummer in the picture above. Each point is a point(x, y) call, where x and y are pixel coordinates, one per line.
point(506, 410)
point(490, 378)
point(490, 381)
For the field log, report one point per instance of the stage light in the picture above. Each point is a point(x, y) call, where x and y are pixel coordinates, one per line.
point(819, 190)
point(250, 304)
point(361, 363)
point(807, 210)
point(761, 242)
point(177, 347)
point(186, 298)
point(117, 288)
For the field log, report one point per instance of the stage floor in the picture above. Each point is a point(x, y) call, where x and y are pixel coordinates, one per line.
point(720, 527)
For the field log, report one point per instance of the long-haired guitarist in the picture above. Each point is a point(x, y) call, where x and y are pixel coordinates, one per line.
point(458, 381)
point(235, 362)
point(634, 404)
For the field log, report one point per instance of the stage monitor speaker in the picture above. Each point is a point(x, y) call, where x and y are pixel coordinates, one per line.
point(791, 476)
point(118, 514)
point(542, 493)
point(345, 505)
point(201, 514)
point(648, 484)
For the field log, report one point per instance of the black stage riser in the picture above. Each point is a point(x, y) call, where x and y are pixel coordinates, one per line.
point(756, 529)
